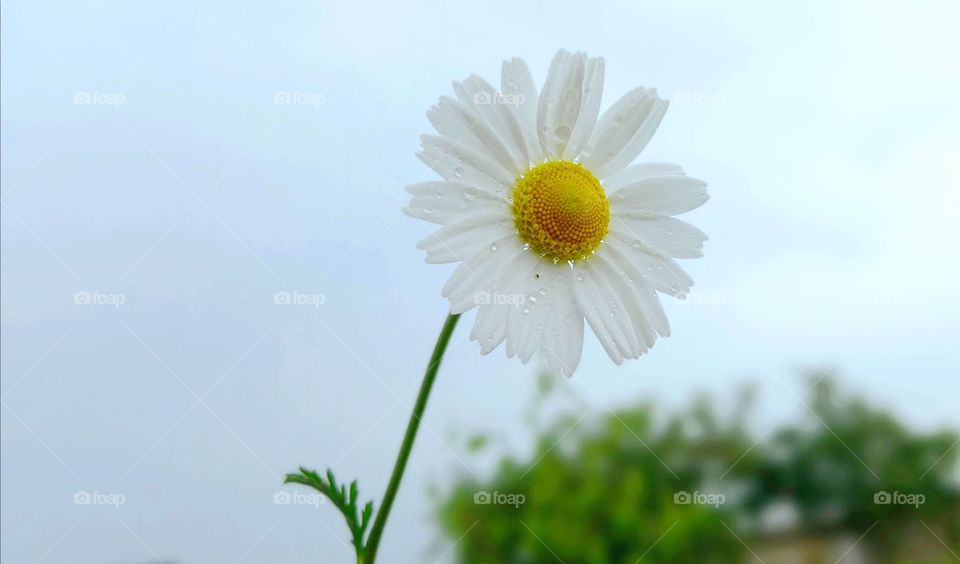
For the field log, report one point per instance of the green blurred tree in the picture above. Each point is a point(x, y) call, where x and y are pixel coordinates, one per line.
point(843, 467)
point(604, 491)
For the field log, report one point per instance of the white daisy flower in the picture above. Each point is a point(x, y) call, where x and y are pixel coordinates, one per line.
point(548, 218)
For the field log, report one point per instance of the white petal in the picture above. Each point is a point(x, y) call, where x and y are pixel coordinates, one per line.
point(548, 293)
point(459, 241)
point(560, 102)
point(474, 281)
point(663, 273)
point(536, 283)
point(590, 107)
point(450, 202)
point(448, 167)
point(641, 299)
point(454, 121)
point(445, 188)
point(563, 329)
point(559, 64)
point(640, 171)
point(533, 316)
point(619, 309)
point(491, 106)
point(623, 131)
point(517, 85)
point(517, 287)
point(660, 195)
point(533, 309)
point(663, 235)
point(596, 309)
point(460, 163)
point(490, 328)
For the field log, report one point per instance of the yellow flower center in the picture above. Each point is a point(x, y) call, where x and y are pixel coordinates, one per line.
point(560, 210)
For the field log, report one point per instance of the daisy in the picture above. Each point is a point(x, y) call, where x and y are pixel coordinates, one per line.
point(549, 219)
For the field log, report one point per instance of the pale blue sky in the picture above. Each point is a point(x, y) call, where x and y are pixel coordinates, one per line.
point(829, 134)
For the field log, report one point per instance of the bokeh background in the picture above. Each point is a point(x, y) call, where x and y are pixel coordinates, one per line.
point(168, 168)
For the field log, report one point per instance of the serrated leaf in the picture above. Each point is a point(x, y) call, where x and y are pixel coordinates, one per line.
point(365, 516)
point(344, 499)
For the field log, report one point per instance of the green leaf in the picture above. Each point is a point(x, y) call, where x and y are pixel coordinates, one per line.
point(343, 499)
point(477, 442)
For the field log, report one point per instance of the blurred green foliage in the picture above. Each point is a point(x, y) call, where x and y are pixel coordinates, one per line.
point(611, 489)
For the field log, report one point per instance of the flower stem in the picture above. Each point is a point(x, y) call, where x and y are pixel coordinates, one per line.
point(406, 446)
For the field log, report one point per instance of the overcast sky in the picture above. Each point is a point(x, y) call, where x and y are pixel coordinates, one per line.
point(147, 166)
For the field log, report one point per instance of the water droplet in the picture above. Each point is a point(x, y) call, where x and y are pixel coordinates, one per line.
point(562, 135)
point(526, 310)
point(580, 277)
point(568, 319)
point(458, 172)
point(470, 193)
point(493, 246)
point(543, 291)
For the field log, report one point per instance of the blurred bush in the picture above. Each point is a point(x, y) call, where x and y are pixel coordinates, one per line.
point(846, 481)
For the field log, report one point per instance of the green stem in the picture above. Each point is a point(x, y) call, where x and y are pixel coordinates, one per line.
point(406, 446)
